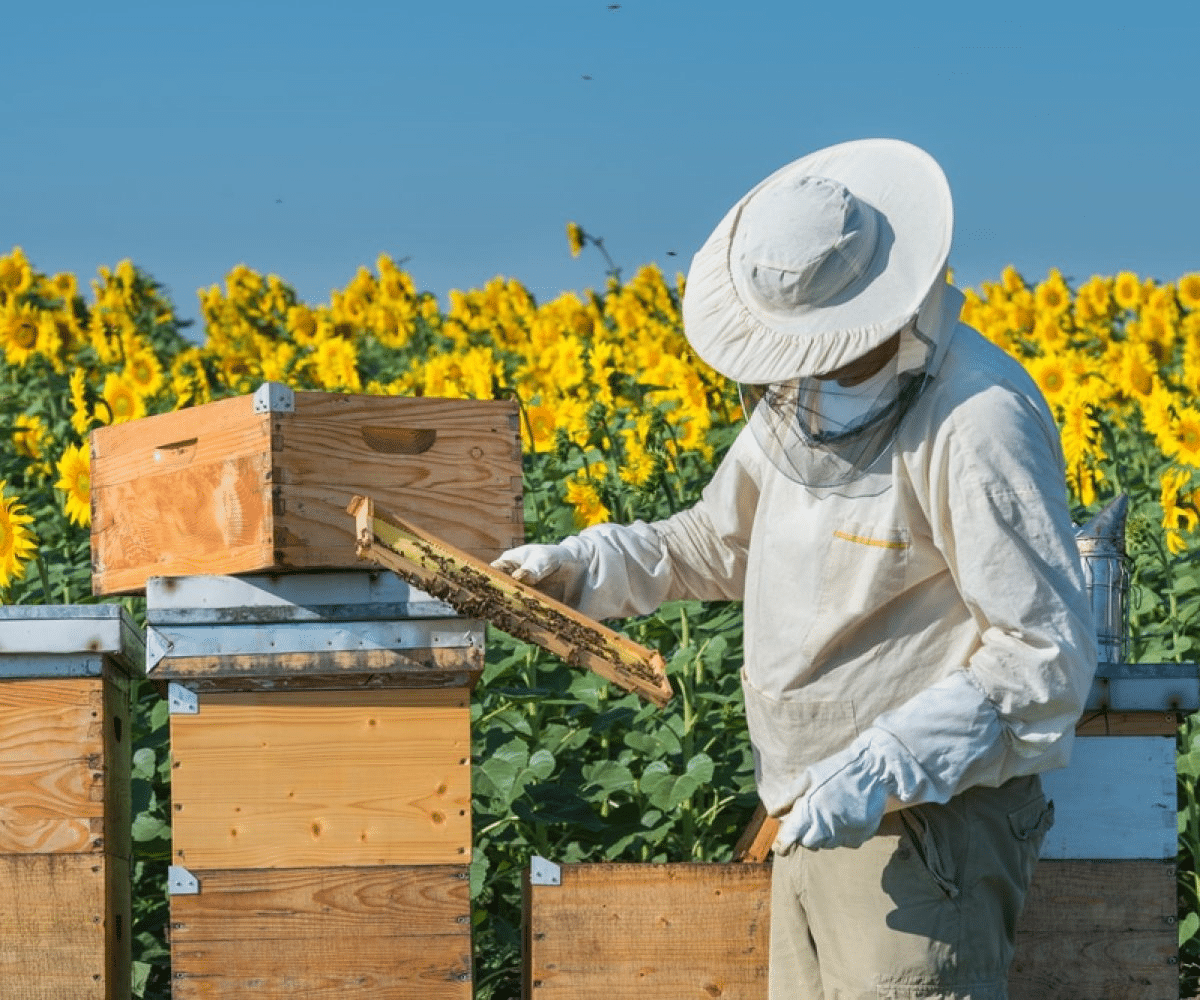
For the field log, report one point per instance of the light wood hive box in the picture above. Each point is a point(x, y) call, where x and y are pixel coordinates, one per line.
point(1099, 922)
point(65, 698)
point(260, 483)
point(321, 801)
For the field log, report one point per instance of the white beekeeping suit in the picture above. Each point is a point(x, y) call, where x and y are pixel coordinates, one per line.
point(893, 516)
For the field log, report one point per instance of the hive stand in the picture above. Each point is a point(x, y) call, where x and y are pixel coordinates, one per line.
point(321, 797)
point(1099, 921)
point(66, 674)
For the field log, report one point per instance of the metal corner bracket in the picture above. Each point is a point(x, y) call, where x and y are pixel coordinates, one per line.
point(181, 700)
point(543, 872)
point(181, 882)
point(274, 397)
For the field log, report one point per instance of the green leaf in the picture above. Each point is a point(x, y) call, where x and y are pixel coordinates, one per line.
point(541, 763)
point(700, 769)
point(608, 776)
point(148, 827)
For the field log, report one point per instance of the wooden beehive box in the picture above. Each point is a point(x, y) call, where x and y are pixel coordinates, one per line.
point(65, 699)
point(321, 796)
point(1099, 921)
point(260, 483)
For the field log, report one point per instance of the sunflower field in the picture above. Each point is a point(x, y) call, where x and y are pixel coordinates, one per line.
point(619, 421)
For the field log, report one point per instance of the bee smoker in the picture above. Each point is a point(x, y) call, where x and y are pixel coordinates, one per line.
point(1101, 545)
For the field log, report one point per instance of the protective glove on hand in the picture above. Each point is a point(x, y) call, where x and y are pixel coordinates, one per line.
point(606, 571)
point(556, 570)
point(919, 752)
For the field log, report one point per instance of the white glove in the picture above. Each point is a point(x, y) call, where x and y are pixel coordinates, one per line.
point(921, 751)
point(555, 570)
point(606, 571)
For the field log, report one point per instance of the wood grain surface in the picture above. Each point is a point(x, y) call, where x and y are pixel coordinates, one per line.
point(64, 927)
point(657, 932)
point(52, 765)
point(297, 779)
point(1104, 930)
point(220, 489)
point(403, 933)
point(1091, 929)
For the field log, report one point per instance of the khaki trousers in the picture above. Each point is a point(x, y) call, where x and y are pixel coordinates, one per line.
point(927, 908)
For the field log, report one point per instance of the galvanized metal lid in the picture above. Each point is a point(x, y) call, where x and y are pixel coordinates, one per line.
point(69, 640)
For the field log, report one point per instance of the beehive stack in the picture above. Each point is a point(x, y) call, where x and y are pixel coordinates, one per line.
point(65, 696)
point(320, 785)
point(320, 741)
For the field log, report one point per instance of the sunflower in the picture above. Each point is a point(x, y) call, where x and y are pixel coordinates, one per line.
point(1053, 376)
point(575, 238)
point(1184, 439)
point(16, 275)
point(144, 373)
point(589, 508)
point(19, 332)
point(17, 542)
point(29, 436)
point(75, 479)
point(1052, 295)
point(1188, 290)
point(64, 286)
point(1127, 290)
point(122, 400)
point(336, 364)
point(1179, 513)
point(1011, 280)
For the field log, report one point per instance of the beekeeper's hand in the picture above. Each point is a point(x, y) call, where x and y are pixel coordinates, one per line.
point(556, 570)
point(846, 797)
point(940, 741)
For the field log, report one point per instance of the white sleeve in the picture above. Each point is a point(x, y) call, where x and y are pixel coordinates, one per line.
point(1002, 521)
point(699, 553)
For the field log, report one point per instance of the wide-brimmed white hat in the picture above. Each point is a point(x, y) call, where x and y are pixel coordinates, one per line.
point(821, 262)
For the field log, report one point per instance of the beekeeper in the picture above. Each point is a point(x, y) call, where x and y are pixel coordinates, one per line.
point(918, 639)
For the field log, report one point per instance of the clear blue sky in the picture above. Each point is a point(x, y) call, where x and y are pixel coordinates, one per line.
point(305, 138)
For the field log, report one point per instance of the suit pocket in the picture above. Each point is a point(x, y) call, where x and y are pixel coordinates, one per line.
point(787, 735)
point(865, 567)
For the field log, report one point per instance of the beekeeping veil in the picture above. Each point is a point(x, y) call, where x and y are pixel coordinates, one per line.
point(833, 265)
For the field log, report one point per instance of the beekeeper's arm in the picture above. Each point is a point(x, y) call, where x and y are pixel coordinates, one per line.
point(611, 570)
point(998, 512)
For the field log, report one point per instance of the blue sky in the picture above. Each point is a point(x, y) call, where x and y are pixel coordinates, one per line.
point(305, 138)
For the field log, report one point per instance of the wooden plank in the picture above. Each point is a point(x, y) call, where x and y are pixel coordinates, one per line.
point(1104, 930)
point(476, 590)
point(52, 765)
point(146, 528)
point(1128, 724)
point(453, 467)
point(658, 932)
point(1116, 800)
point(756, 840)
point(431, 667)
point(180, 493)
point(118, 928)
point(296, 779)
point(117, 727)
point(395, 932)
point(54, 920)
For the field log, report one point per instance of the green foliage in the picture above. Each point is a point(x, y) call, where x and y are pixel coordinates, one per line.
point(572, 769)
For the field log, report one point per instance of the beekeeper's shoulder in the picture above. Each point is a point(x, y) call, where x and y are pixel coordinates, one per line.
point(983, 409)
